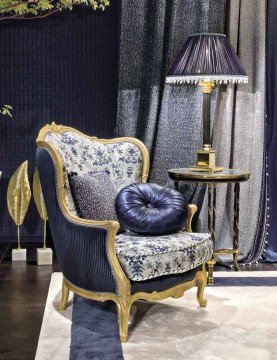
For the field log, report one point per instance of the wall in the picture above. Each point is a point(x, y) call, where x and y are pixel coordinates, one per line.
point(62, 69)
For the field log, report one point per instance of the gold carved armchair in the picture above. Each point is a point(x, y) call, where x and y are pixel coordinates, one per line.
point(90, 253)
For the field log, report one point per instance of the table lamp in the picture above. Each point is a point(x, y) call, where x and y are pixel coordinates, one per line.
point(206, 59)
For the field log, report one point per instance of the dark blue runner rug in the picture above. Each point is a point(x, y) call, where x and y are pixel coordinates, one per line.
point(245, 281)
point(94, 331)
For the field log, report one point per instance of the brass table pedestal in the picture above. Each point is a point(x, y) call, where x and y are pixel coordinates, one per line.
point(212, 179)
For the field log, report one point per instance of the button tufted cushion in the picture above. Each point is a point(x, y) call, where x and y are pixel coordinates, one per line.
point(151, 209)
point(147, 257)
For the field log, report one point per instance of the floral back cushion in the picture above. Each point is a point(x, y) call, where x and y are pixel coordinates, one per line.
point(122, 161)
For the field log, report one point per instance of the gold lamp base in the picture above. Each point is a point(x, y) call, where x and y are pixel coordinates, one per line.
point(206, 161)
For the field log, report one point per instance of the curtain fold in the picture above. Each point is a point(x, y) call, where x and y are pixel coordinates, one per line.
point(167, 119)
point(271, 134)
point(238, 133)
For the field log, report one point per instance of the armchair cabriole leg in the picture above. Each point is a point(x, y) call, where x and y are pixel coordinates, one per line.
point(65, 293)
point(123, 309)
point(201, 282)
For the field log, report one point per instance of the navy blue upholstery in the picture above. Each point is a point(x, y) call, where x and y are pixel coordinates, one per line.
point(163, 282)
point(151, 209)
point(81, 250)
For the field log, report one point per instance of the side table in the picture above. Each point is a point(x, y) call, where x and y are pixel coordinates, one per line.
point(212, 179)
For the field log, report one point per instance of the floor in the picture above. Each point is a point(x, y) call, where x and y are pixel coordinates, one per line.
point(23, 292)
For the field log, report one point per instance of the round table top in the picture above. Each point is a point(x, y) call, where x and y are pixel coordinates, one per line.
point(227, 175)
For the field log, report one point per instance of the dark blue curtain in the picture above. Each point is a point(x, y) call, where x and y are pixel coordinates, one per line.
point(271, 88)
point(63, 69)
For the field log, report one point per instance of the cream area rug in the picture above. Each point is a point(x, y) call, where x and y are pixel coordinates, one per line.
point(239, 322)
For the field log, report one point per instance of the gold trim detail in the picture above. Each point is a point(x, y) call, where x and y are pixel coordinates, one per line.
point(39, 201)
point(122, 282)
point(226, 251)
point(124, 303)
point(192, 209)
point(211, 263)
point(60, 129)
point(65, 294)
point(211, 169)
point(207, 86)
point(18, 197)
point(228, 175)
point(123, 297)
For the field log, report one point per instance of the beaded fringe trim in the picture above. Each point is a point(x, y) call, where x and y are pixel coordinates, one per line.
point(218, 79)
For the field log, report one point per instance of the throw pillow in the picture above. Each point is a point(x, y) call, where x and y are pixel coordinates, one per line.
point(94, 195)
point(151, 209)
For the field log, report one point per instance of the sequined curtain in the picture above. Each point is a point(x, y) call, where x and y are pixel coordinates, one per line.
point(167, 119)
point(271, 135)
point(239, 131)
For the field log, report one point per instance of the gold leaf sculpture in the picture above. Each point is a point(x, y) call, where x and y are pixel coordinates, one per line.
point(18, 196)
point(39, 200)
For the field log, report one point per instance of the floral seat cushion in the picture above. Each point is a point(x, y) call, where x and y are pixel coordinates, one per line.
point(146, 257)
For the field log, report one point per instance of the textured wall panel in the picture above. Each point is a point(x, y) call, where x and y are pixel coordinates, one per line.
point(62, 69)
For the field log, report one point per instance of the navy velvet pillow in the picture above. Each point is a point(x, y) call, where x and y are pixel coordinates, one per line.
point(94, 195)
point(151, 209)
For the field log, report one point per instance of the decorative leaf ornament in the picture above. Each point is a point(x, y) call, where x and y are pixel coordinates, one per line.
point(38, 196)
point(39, 200)
point(18, 196)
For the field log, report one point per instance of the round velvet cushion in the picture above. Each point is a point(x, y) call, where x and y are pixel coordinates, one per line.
point(151, 209)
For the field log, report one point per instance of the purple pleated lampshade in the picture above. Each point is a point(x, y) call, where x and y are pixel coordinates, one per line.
point(207, 57)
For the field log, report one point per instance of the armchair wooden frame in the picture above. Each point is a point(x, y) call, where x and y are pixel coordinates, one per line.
point(123, 297)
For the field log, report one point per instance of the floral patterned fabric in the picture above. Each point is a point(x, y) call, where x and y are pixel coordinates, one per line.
point(122, 161)
point(146, 257)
